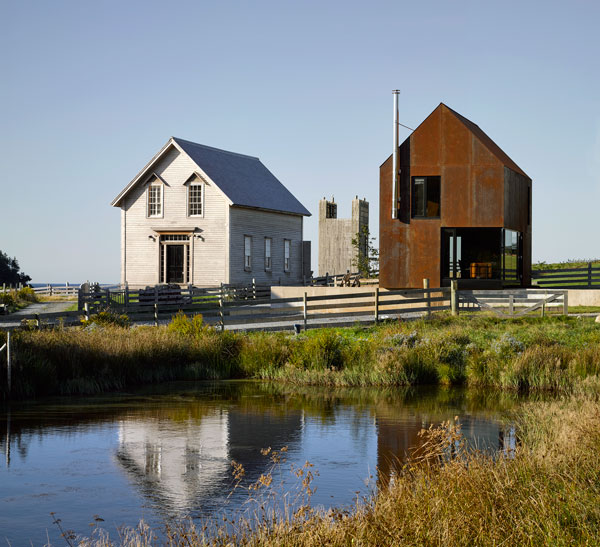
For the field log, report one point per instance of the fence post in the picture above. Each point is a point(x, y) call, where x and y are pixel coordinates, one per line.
point(156, 314)
point(221, 309)
point(543, 312)
point(86, 307)
point(428, 296)
point(454, 296)
point(8, 361)
point(37, 321)
point(108, 298)
point(50, 289)
point(305, 311)
point(589, 274)
point(126, 297)
point(254, 288)
point(511, 304)
point(376, 304)
point(566, 302)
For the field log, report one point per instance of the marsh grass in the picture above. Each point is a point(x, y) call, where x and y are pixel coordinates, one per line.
point(546, 493)
point(551, 353)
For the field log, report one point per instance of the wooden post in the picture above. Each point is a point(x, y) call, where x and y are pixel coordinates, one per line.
point(376, 304)
point(454, 297)
point(221, 310)
point(305, 310)
point(589, 274)
point(156, 314)
point(50, 289)
point(8, 361)
point(427, 296)
point(86, 307)
point(566, 302)
point(511, 304)
point(37, 321)
point(543, 310)
point(253, 288)
point(126, 297)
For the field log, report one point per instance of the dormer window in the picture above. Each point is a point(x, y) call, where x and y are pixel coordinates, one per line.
point(155, 197)
point(195, 196)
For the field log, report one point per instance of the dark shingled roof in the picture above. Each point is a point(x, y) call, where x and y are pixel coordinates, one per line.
point(243, 179)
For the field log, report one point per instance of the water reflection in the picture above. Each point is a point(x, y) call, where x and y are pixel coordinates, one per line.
point(167, 451)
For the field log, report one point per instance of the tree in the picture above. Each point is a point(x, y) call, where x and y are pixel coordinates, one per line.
point(9, 271)
point(366, 258)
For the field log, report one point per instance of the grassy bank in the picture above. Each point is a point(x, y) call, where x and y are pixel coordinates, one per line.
point(521, 354)
point(546, 493)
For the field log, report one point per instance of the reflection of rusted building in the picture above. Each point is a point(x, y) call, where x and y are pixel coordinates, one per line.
point(459, 208)
point(397, 440)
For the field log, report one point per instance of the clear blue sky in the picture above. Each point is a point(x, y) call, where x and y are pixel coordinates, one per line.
point(91, 90)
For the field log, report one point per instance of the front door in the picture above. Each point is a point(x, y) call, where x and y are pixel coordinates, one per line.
point(175, 263)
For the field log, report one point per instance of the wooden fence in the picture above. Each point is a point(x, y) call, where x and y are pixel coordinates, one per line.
point(515, 302)
point(252, 306)
point(587, 277)
point(57, 290)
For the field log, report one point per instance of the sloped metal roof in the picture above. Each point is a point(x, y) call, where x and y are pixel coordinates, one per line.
point(243, 179)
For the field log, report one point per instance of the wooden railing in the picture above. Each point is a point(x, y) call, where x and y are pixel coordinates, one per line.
point(57, 290)
point(515, 302)
point(587, 277)
point(241, 307)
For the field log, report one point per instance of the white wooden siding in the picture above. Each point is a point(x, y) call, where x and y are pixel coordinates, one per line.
point(261, 224)
point(140, 253)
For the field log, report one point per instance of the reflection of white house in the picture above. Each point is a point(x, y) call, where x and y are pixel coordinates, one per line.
point(186, 464)
point(185, 460)
point(203, 216)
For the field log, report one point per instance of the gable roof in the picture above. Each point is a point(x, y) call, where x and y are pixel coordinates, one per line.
point(244, 180)
point(487, 142)
point(494, 149)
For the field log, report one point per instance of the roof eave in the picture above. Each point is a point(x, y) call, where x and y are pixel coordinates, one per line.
point(117, 201)
point(307, 214)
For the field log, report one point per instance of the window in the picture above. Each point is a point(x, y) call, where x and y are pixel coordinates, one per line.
point(286, 255)
point(195, 196)
point(247, 253)
point(426, 197)
point(268, 254)
point(330, 210)
point(155, 190)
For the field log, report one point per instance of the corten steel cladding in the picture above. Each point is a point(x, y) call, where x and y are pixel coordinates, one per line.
point(480, 187)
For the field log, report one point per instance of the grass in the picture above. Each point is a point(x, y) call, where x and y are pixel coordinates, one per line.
point(545, 492)
point(532, 353)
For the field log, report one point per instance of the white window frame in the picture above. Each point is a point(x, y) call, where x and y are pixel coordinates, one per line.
point(287, 255)
point(268, 254)
point(155, 182)
point(195, 180)
point(247, 253)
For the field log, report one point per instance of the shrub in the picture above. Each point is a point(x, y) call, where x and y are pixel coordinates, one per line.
point(107, 318)
point(187, 326)
point(27, 294)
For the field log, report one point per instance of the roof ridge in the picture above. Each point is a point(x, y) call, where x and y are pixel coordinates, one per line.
point(178, 139)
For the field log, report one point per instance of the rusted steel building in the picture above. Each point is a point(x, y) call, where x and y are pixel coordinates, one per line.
point(462, 208)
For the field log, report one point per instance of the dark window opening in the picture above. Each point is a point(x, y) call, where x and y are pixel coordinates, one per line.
point(426, 197)
point(331, 210)
point(482, 253)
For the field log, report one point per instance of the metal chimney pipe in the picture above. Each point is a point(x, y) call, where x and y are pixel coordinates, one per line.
point(395, 166)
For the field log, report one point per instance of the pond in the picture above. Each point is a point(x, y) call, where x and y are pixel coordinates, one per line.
point(166, 452)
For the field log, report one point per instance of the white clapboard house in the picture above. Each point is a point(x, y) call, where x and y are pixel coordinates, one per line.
point(203, 216)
